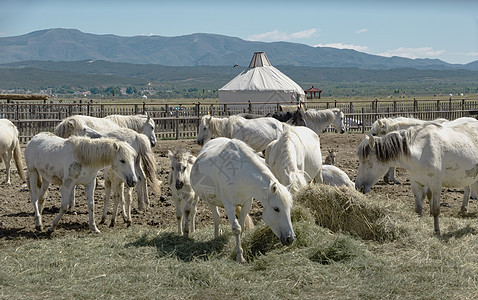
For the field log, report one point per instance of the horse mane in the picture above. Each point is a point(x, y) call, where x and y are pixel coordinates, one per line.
point(285, 157)
point(135, 122)
point(149, 162)
point(387, 148)
point(99, 152)
point(222, 126)
point(179, 153)
point(67, 126)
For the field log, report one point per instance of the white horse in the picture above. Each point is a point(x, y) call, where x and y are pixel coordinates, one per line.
point(434, 156)
point(73, 161)
point(10, 148)
point(257, 133)
point(336, 177)
point(184, 197)
point(80, 125)
point(295, 158)
point(385, 125)
point(318, 120)
point(140, 123)
point(228, 173)
point(145, 168)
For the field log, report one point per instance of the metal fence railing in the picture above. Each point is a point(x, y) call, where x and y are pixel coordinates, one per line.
point(177, 121)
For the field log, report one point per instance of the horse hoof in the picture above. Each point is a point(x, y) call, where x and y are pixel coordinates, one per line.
point(39, 228)
point(112, 224)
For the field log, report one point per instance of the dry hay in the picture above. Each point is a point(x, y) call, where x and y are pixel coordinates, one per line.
point(342, 209)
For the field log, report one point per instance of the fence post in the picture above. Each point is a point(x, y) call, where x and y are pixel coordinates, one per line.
point(144, 108)
point(363, 120)
point(17, 113)
point(394, 106)
point(462, 108)
point(136, 109)
point(177, 125)
point(250, 106)
point(198, 115)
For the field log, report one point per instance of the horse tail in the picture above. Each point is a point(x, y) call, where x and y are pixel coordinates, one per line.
point(17, 154)
point(149, 163)
point(249, 224)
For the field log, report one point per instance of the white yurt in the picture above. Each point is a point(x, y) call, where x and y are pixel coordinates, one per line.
point(261, 82)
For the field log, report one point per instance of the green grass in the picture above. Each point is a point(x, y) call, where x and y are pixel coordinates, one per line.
point(143, 263)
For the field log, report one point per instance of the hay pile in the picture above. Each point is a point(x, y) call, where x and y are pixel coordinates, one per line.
point(345, 210)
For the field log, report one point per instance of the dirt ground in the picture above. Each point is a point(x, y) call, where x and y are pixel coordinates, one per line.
point(17, 223)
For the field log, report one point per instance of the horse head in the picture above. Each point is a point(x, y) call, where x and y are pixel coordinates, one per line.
point(123, 164)
point(276, 212)
point(339, 123)
point(298, 118)
point(181, 162)
point(371, 168)
point(204, 133)
point(148, 130)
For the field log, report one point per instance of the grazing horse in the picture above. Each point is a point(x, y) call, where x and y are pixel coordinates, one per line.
point(433, 154)
point(140, 123)
point(227, 173)
point(318, 120)
point(184, 197)
point(73, 161)
point(257, 133)
point(295, 158)
point(10, 148)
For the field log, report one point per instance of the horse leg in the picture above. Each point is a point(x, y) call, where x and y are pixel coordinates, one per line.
point(390, 176)
point(141, 189)
point(107, 199)
point(7, 158)
point(236, 230)
point(466, 198)
point(418, 193)
point(117, 188)
point(34, 192)
point(89, 191)
point(244, 214)
point(192, 216)
point(127, 206)
point(67, 192)
point(178, 210)
point(435, 208)
point(215, 217)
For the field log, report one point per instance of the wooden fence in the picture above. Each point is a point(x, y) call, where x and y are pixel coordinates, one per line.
point(178, 121)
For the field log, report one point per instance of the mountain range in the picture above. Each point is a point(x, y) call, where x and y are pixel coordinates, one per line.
point(195, 50)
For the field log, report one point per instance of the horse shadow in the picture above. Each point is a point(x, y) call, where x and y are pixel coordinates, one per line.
point(185, 249)
point(459, 233)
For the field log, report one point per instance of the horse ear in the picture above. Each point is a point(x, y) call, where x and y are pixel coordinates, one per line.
point(115, 146)
point(274, 187)
point(170, 154)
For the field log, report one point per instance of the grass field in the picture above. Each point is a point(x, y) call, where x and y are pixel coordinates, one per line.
point(402, 259)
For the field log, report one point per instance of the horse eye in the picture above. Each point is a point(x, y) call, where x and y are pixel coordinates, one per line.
point(276, 209)
point(172, 168)
point(122, 161)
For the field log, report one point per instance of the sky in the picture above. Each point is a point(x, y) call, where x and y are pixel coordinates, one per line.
point(447, 30)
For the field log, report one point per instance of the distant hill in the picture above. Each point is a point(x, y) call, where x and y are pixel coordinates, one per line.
point(86, 75)
point(194, 50)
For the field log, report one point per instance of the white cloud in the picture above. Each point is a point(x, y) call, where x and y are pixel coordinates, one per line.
point(361, 31)
point(344, 46)
point(277, 35)
point(421, 52)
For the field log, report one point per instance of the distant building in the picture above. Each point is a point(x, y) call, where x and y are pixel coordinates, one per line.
point(312, 93)
point(261, 83)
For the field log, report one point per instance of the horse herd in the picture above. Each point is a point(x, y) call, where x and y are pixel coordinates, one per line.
point(243, 157)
